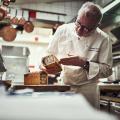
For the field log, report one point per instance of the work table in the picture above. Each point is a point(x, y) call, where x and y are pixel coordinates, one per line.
point(43, 88)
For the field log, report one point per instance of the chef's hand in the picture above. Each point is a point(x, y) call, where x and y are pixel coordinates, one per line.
point(74, 60)
point(48, 70)
point(51, 70)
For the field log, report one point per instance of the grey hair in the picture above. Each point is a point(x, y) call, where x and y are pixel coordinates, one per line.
point(91, 10)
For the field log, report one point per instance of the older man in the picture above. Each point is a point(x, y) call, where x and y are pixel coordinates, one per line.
point(85, 52)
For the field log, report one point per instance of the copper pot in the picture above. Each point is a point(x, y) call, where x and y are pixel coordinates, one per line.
point(21, 21)
point(14, 20)
point(9, 33)
point(2, 14)
point(28, 26)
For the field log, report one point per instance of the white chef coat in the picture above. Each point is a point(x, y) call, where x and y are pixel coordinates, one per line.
point(96, 48)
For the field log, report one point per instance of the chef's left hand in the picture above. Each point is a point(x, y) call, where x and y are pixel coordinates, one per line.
point(74, 60)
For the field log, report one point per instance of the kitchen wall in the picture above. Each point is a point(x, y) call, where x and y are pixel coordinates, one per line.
point(68, 8)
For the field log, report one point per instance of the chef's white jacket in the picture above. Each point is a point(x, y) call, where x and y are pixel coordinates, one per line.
point(96, 48)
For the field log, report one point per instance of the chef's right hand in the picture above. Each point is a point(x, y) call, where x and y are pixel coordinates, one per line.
point(50, 70)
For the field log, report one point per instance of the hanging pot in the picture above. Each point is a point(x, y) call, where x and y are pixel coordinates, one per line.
point(6, 2)
point(2, 14)
point(3, 24)
point(14, 20)
point(1, 34)
point(13, 1)
point(21, 21)
point(20, 26)
point(9, 33)
point(28, 26)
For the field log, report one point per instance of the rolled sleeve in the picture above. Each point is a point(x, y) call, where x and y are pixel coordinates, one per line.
point(102, 68)
point(93, 70)
point(99, 70)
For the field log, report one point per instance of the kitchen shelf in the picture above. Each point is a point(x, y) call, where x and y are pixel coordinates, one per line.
point(111, 99)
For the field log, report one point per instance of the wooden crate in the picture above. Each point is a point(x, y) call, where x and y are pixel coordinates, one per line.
point(36, 78)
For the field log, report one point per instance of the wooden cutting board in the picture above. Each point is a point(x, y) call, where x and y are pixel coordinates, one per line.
point(43, 88)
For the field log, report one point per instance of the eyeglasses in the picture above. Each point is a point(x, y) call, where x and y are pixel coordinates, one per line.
point(85, 28)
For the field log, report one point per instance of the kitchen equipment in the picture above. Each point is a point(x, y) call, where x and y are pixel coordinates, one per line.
point(21, 21)
point(2, 14)
point(9, 33)
point(2, 67)
point(16, 60)
point(7, 2)
point(28, 26)
point(14, 20)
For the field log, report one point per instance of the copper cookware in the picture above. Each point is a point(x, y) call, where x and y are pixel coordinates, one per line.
point(21, 21)
point(14, 20)
point(28, 26)
point(2, 14)
point(9, 33)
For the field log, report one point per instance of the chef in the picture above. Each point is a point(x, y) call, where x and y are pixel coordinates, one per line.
point(85, 52)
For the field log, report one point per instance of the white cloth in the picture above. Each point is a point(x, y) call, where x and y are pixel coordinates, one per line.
point(96, 48)
point(49, 106)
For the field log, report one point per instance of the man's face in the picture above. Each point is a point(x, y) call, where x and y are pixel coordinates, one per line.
point(84, 26)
